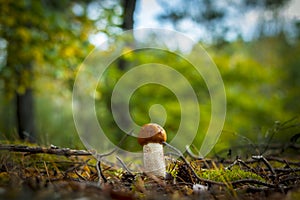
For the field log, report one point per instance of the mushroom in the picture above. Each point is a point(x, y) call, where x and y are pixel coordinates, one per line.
point(151, 137)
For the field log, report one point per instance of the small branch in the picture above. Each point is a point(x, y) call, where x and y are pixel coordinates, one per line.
point(100, 173)
point(271, 147)
point(124, 165)
point(283, 161)
point(47, 172)
point(100, 156)
point(266, 162)
point(239, 161)
point(190, 153)
point(65, 152)
point(36, 150)
point(79, 175)
point(287, 170)
point(253, 181)
point(294, 178)
point(265, 189)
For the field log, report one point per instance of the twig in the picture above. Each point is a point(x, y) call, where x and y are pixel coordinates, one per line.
point(284, 127)
point(100, 174)
point(250, 142)
point(100, 156)
point(232, 164)
point(46, 168)
point(239, 161)
point(253, 181)
point(294, 178)
point(281, 147)
point(265, 189)
point(36, 150)
point(124, 165)
point(274, 130)
point(74, 168)
point(283, 161)
point(79, 175)
point(190, 153)
point(266, 162)
point(287, 170)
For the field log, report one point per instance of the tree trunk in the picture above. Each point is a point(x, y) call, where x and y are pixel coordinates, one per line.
point(25, 107)
point(25, 115)
point(128, 20)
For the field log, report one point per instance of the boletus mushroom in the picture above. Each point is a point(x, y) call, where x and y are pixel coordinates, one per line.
point(151, 137)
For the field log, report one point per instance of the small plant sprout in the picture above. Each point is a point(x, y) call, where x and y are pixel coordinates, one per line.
point(151, 137)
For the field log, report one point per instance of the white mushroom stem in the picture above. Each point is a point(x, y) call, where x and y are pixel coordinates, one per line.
point(154, 160)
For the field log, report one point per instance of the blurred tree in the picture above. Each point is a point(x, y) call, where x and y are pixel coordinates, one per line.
point(127, 24)
point(128, 14)
point(41, 37)
point(261, 76)
point(217, 18)
point(50, 39)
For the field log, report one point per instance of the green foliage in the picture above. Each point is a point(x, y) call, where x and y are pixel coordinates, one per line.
point(42, 44)
point(253, 74)
point(257, 77)
point(150, 94)
point(43, 47)
point(57, 126)
point(46, 39)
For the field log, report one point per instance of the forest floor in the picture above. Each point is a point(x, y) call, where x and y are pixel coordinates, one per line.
point(31, 172)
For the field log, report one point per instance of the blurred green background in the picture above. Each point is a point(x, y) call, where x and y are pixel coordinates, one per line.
point(43, 43)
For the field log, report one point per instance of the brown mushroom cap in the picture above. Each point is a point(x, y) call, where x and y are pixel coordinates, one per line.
point(152, 133)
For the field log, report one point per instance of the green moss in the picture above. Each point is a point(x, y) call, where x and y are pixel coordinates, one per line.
point(223, 175)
